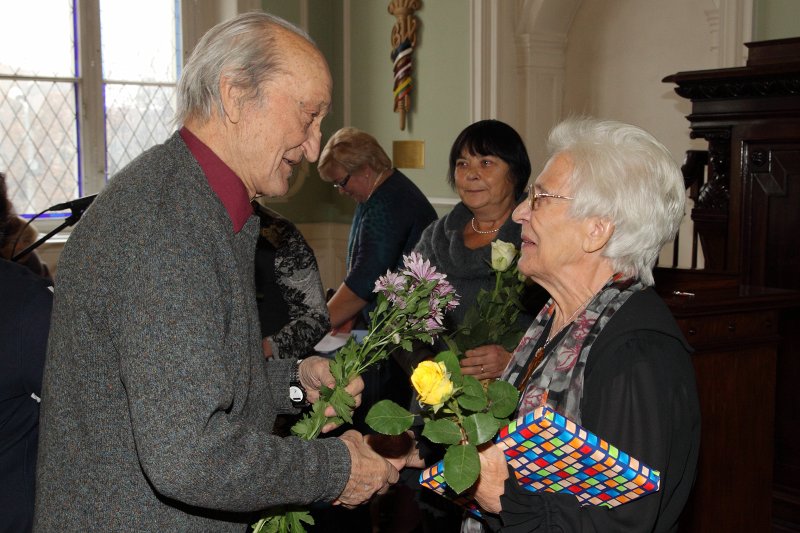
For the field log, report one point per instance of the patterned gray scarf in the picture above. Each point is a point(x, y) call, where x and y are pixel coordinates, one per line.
point(558, 378)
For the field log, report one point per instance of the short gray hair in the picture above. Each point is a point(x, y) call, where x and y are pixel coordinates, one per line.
point(244, 49)
point(622, 173)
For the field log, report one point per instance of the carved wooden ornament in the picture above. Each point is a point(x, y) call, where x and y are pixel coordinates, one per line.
point(404, 39)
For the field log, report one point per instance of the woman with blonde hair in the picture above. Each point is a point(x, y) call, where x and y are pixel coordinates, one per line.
point(388, 221)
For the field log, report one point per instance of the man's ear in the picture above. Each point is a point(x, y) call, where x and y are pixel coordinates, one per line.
point(232, 97)
point(598, 231)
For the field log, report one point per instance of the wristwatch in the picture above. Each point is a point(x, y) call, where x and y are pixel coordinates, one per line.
point(297, 393)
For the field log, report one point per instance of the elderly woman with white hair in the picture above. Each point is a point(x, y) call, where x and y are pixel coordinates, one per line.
point(605, 350)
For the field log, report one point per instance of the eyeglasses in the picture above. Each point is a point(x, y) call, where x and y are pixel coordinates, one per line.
point(533, 197)
point(341, 184)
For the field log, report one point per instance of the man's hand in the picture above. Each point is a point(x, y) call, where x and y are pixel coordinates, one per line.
point(400, 450)
point(491, 483)
point(314, 372)
point(369, 472)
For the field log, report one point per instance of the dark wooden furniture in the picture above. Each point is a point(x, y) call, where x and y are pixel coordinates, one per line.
point(736, 333)
point(747, 215)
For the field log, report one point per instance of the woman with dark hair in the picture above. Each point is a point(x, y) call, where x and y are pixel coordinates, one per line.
point(489, 168)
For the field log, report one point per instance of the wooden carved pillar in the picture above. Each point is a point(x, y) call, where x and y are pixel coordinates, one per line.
point(710, 213)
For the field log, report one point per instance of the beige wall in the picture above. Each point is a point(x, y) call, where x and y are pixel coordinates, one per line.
point(618, 52)
point(440, 98)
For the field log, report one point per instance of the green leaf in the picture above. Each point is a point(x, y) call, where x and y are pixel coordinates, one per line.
point(480, 428)
point(343, 403)
point(452, 346)
point(406, 345)
point(296, 519)
point(473, 387)
point(388, 418)
point(461, 467)
point(472, 403)
point(283, 520)
point(442, 432)
point(510, 339)
point(382, 306)
point(450, 361)
point(337, 368)
point(311, 424)
point(503, 398)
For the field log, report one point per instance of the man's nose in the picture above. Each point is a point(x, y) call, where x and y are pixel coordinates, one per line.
point(312, 144)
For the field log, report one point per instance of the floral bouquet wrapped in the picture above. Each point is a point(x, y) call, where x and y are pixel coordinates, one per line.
point(410, 307)
point(458, 413)
point(492, 319)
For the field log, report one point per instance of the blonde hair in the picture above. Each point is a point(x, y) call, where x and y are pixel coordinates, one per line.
point(353, 148)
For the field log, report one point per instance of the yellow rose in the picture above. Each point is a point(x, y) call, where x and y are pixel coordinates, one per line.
point(503, 253)
point(432, 382)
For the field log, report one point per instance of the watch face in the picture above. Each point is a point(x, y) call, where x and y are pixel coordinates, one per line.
point(296, 394)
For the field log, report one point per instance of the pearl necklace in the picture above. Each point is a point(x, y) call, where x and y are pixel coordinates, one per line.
point(476, 230)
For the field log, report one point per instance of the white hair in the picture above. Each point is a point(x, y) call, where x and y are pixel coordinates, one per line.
point(622, 173)
point(244, 50)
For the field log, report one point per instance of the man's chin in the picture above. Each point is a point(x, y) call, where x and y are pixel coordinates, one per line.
point(277, 186)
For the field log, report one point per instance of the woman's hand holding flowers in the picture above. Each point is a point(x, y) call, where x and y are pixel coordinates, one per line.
point(491, 483)
point(485, 362)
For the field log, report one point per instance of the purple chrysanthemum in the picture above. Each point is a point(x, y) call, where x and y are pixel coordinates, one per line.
point(391, 282)
point(443, 288)
point(433, 326)
point(420, 268)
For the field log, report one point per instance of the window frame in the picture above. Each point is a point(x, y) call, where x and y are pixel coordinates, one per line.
point(196, 18)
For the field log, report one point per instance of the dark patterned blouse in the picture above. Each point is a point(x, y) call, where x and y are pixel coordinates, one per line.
point(289, 293)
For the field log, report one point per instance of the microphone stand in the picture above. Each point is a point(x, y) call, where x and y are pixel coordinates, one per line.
point(69, 221)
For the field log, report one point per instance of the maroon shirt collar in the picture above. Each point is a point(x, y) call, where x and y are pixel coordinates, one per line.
point(223, 181)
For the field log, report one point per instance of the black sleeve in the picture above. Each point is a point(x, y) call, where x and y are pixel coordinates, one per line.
point(634, 397)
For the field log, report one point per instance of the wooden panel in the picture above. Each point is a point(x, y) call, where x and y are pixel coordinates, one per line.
point(733, 488)
point(729, 328)
point(770, 240)
point(758, 167)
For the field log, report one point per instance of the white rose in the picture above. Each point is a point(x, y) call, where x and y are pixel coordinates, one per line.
point(503, 254)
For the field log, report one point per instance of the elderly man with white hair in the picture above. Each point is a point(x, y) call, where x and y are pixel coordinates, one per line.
point(158, 404)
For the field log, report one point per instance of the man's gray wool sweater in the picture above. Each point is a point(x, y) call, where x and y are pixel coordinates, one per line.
point(157, 403)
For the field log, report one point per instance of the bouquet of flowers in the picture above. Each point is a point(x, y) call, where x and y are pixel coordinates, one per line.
point(410, 307)
point(493, 317)
point(458, 412)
